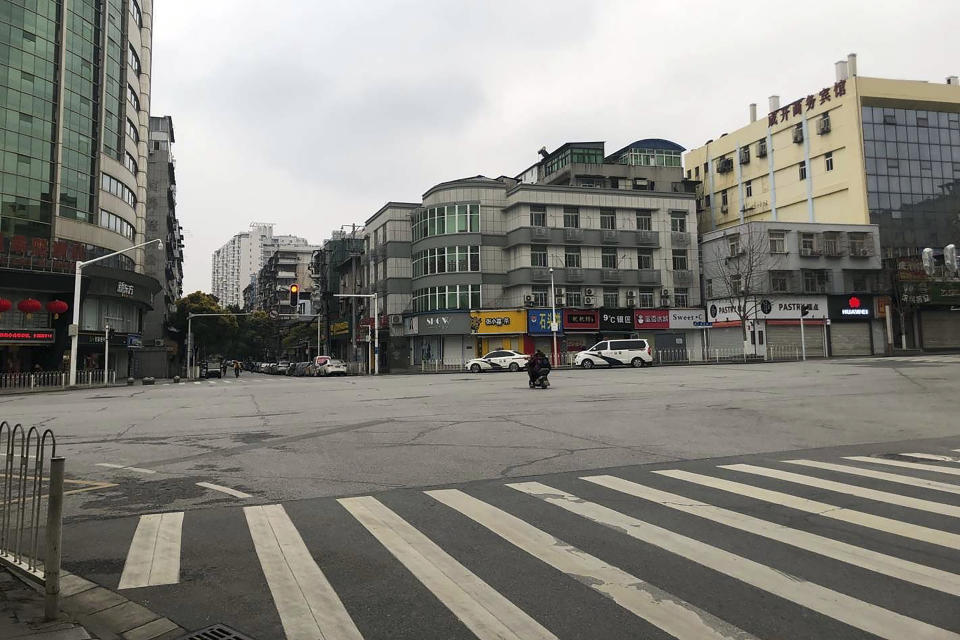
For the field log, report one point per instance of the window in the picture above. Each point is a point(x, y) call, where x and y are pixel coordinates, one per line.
point(709, 287)
point(808, 244)
point(681, 297)
point(450, 297)
point(696, 172)
point(814, 281)
point(117, 188)
point(723, 197)
point(134, 60)
point(761, 148)
point(571, 257)
point(611, 297)
point(130, 163)
point(803, 170)
point(446, 260)
point(645, 300)
point(680, 260)
point(644, 259)
point(132, 97)
point(748, 185)
point(116, 224)
point(540, 295)
point(860, 282)
point(778, 242)
point(828, 160)
point(706, 200)
point(133, 131)
point(574, 296)
point(733, 243)
point(136, 14)
point(608, 258)
point(452, 218)
point(608, 219)
point(538, 215)
point(778, 282)
point(858, 244)
point(538, 255)
point(571, 217)
point(678, 221)
point(736, 284)
point(644, 220)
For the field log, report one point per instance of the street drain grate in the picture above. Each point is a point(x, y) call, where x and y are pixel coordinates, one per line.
point(216, 632)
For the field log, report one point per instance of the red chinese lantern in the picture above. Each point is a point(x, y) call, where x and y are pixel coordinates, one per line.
point(56, 307)
point(29, 306)
point(5, 305)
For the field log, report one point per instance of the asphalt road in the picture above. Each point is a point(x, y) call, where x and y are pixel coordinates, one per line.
point(442, 542)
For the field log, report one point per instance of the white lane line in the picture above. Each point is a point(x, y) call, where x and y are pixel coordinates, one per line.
point(484, 611)
point(906, 465)
point(931, 456)
point(216, 487)
point(856, 613)
point(680, 619)
point(849, 489)
point(851, 554)
point(880, 523)
point(154, 555)
point(308, 606)
point(197, 382)
point(211, 382)
point(124, 467)
point(880, 475)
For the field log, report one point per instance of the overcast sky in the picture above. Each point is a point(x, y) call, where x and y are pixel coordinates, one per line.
point(313, 114)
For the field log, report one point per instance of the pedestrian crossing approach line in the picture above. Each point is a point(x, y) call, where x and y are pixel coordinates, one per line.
point(931, 456)
point(849, 489)
point(880, 475)
point(154, 555)
point(879, 523)
point(856, 613)
point(828, 547)
point(484, 611)
point(680, 619)
point(919, 466)
point(308, 607)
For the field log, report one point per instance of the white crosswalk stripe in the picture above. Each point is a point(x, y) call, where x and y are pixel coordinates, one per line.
point(154, 555)
point(919, 466)
point(931, 456)
point(880, 475)
point(856, 613)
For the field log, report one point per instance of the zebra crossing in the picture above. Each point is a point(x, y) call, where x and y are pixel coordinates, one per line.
point(761, 548)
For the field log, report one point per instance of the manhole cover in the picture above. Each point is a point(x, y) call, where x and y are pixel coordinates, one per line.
point(216, 632)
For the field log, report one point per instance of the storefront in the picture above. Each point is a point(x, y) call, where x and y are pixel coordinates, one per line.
point(850, 331)
point(540, 332)
point(442, 338)
point(581, 329)
point(773, 326)
point(499, 329)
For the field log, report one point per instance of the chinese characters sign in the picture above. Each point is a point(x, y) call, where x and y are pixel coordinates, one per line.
point(797, 107)
point(538, 321)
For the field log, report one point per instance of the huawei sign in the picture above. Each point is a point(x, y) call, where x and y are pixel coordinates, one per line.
point(854, 308)
point(853, 302)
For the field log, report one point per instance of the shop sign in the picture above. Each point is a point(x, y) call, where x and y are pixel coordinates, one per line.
point(880, 304)
point(411, 325)
point(797, 107)
point(538, 322)
point(724, 311)
point(125, 289)
point(617, 320)
point(25, 335)
point(444, 324)
point(687, 318)
point(339, 328)
point(651, 319)
point(581, 319)
point(498, 321)
point(930, 293)
point(852, 307)
point(134, 341)
point(770, 308)
point(116, 339)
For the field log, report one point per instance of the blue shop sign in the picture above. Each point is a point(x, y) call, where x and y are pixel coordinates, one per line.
point(538, 322)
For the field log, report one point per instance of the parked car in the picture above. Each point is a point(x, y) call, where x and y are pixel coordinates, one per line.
point(332, 367)
point(500, 360)
point(616, 353)
point(212, 370)
point(282, 367)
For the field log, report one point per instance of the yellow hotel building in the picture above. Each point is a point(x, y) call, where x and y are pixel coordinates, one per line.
point(858, 150)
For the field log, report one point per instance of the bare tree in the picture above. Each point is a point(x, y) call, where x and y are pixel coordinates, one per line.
point(742, 261)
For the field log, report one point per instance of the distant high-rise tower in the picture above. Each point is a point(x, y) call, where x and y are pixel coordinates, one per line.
point(237, 263)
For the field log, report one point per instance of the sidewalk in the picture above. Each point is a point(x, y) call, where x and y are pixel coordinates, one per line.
point(21, 615)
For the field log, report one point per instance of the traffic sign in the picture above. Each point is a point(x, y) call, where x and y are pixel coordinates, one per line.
point(274, 314)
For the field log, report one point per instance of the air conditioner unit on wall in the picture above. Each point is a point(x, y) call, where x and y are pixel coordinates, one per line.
point(158, 342)
point(631, 294)
point(558, 291)
point(396, 318)
point(588, 301)
point(528, 299)
point(588, 292)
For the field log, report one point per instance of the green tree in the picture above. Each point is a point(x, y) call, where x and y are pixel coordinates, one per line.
point(212, 335)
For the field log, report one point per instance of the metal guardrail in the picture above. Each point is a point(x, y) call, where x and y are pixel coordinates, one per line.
point(25, 454)
point(52, 379)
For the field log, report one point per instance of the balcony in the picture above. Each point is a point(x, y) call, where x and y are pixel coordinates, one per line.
point(540, 274)
point(683, 277)
point(649, 276)
point(574, 274)
point(611, 275)
point(679, 239)
point(860, 251)
point(648, 238)
point(573, 235)
point(609, 236)
point(540, 233)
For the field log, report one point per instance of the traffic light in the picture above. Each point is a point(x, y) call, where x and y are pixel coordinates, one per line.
point(294, 295)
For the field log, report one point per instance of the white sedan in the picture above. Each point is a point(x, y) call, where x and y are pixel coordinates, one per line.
point(502, 360)
point(327, 366)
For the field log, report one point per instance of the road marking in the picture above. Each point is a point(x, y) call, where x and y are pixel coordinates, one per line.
point(856, 613)
point(849, 489)
point(154, 555)
point(880, 523)
point(484, 611)
point(197, 382)
point(880, 475)
point(211, 382)
point(111, 465)
point(216, 487)
point(680, 619)
point(931, 456)
point(851, 554)
point(308, 606)
point(906, 465)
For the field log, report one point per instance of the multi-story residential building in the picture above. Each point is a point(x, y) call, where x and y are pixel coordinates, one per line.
point(160, 356)
point(77, 84)
point(758, 277)
point(237, 263)
point(285, 267)
point(860, 150)
point(337, 268)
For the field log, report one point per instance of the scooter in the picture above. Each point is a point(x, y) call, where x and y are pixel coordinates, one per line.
point(541, 381)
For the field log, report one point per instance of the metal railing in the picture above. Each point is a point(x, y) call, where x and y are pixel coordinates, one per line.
point(50, 379)
point(25, 454)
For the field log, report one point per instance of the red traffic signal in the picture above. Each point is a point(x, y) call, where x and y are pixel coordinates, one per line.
point(294, 295)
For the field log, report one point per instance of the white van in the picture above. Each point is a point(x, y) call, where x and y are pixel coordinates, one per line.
point(615, 353)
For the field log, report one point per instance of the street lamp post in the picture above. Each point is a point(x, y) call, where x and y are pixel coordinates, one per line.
point(375, 327)
point(553, 318)
point(75, 327)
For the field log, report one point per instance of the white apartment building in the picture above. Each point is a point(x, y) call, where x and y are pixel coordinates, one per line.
point(237, 263)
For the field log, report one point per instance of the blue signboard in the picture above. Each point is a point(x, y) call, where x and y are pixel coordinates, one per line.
point(538, 322)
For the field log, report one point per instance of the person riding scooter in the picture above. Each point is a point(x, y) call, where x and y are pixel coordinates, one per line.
point(538, 369)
